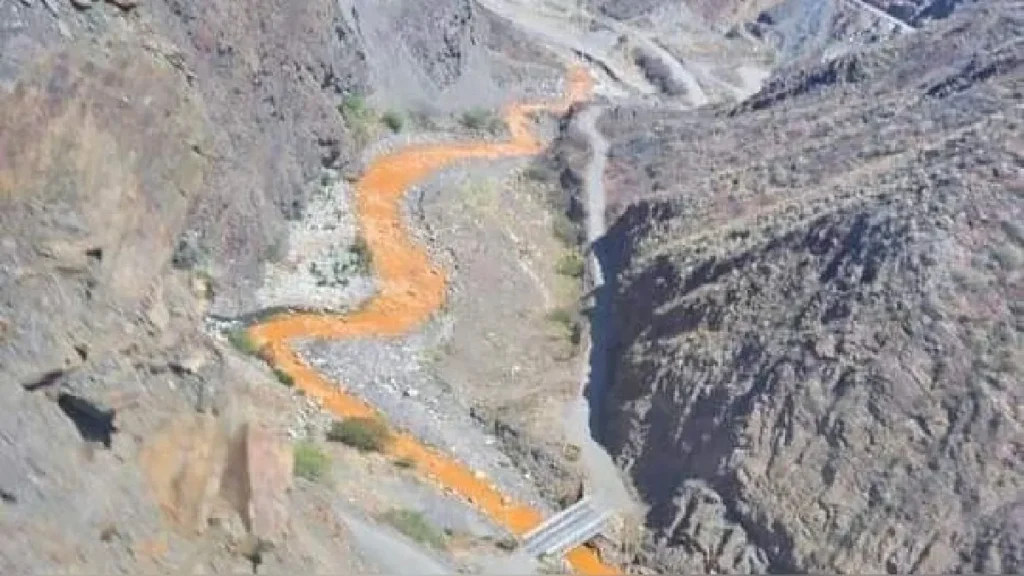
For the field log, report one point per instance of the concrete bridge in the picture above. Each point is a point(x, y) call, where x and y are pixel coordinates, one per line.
point(567, 529)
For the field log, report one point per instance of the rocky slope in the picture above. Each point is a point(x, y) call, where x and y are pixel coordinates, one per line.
point(819, 312)
point(150, 156)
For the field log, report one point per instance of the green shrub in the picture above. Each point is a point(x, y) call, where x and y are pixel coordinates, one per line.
point(310, 462)
point(570, 264)
point(563, 316)
point(242, 342)
point(564, 230)
point(414, 525)
point(284, 377)
point(393, 121)
point(360, 117)
point(353, 108)
point(364, 434)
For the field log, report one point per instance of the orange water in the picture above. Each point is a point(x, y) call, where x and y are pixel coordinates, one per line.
point(411, 288)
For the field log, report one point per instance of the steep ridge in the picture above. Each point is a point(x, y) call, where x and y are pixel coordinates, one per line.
point(410, 289)
point(818, 313)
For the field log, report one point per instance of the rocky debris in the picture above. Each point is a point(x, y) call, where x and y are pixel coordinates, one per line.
point(818, 313)
point(125, 4)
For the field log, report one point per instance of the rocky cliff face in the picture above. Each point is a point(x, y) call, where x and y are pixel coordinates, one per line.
point(819, 313)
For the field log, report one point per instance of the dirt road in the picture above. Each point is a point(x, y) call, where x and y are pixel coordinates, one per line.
point(604, 479)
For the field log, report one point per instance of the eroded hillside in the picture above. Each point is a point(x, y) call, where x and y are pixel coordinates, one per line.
point(818, 312)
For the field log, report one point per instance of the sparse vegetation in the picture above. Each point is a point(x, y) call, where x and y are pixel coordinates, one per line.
point(474, 119)
point(415, 525)
point(359, 116)
point(570, 264)
point(242, 342)
point(202, 283)
point(405, 463)
point(568, 320)
point(423, 121)
point(310, 462)
point(562, 316)
point(551, 565)
point(341, 265)
point(537, 173)
point(481, 119)
point(393, 120)
point(360, 250)
point(571, 452)
point(364, 434)
point(284, 377)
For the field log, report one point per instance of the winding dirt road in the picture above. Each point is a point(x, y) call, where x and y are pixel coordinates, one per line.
point(411, 289)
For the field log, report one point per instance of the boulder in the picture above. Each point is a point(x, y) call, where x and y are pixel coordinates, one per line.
point(269, 476)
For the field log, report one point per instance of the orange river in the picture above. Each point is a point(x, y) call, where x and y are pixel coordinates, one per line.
point(410, 289)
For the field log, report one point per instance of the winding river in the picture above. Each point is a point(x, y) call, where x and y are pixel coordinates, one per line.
point(411, 289)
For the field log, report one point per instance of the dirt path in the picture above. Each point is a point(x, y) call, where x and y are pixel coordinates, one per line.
point(677, 70)
point(604, 479)
point(411, 288)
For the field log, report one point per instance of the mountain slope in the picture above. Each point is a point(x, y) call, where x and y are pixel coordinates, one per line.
point(819, 312)
point(151, 156)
